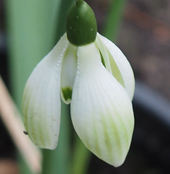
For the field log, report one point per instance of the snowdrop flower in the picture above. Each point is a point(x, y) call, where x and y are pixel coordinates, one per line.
point(89, 72)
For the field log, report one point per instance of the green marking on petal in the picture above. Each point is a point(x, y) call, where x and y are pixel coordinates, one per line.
point(102, 59)
point(115, 70)
point(67, 93)
point(97, 149)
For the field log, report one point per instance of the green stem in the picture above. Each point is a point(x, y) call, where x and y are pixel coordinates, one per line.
point(81, 158)
point(58, 160)
point(79, 2)
point(114, 19)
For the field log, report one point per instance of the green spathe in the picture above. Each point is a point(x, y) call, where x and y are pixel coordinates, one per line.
point(81, 24)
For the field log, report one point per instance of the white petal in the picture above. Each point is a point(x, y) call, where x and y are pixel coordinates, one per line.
point(118, 58)
point(101, 110)
point(104, 54)
point(41, 101)
point(68, 71)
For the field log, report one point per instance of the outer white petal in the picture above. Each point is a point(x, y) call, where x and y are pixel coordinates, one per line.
point(116, 56)
point(41, 100)
point(101, 110)
point(68, 71)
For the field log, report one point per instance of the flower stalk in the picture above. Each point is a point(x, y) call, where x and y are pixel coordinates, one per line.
point(78, 2)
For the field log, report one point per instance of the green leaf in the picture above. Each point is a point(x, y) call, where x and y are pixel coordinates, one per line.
point(114, 19)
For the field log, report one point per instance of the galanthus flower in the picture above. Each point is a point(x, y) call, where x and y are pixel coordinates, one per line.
point(90, 73)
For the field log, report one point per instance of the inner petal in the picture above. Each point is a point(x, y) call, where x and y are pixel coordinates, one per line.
point(108, 61)
point(115, 70)
point(119, 61)
point(68, 71)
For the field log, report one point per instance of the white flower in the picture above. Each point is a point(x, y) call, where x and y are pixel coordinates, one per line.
point(98, 82)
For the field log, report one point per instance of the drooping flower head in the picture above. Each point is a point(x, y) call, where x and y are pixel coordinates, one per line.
point(90, 73)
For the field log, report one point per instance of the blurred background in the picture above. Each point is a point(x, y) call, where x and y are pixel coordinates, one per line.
point(144, 37)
